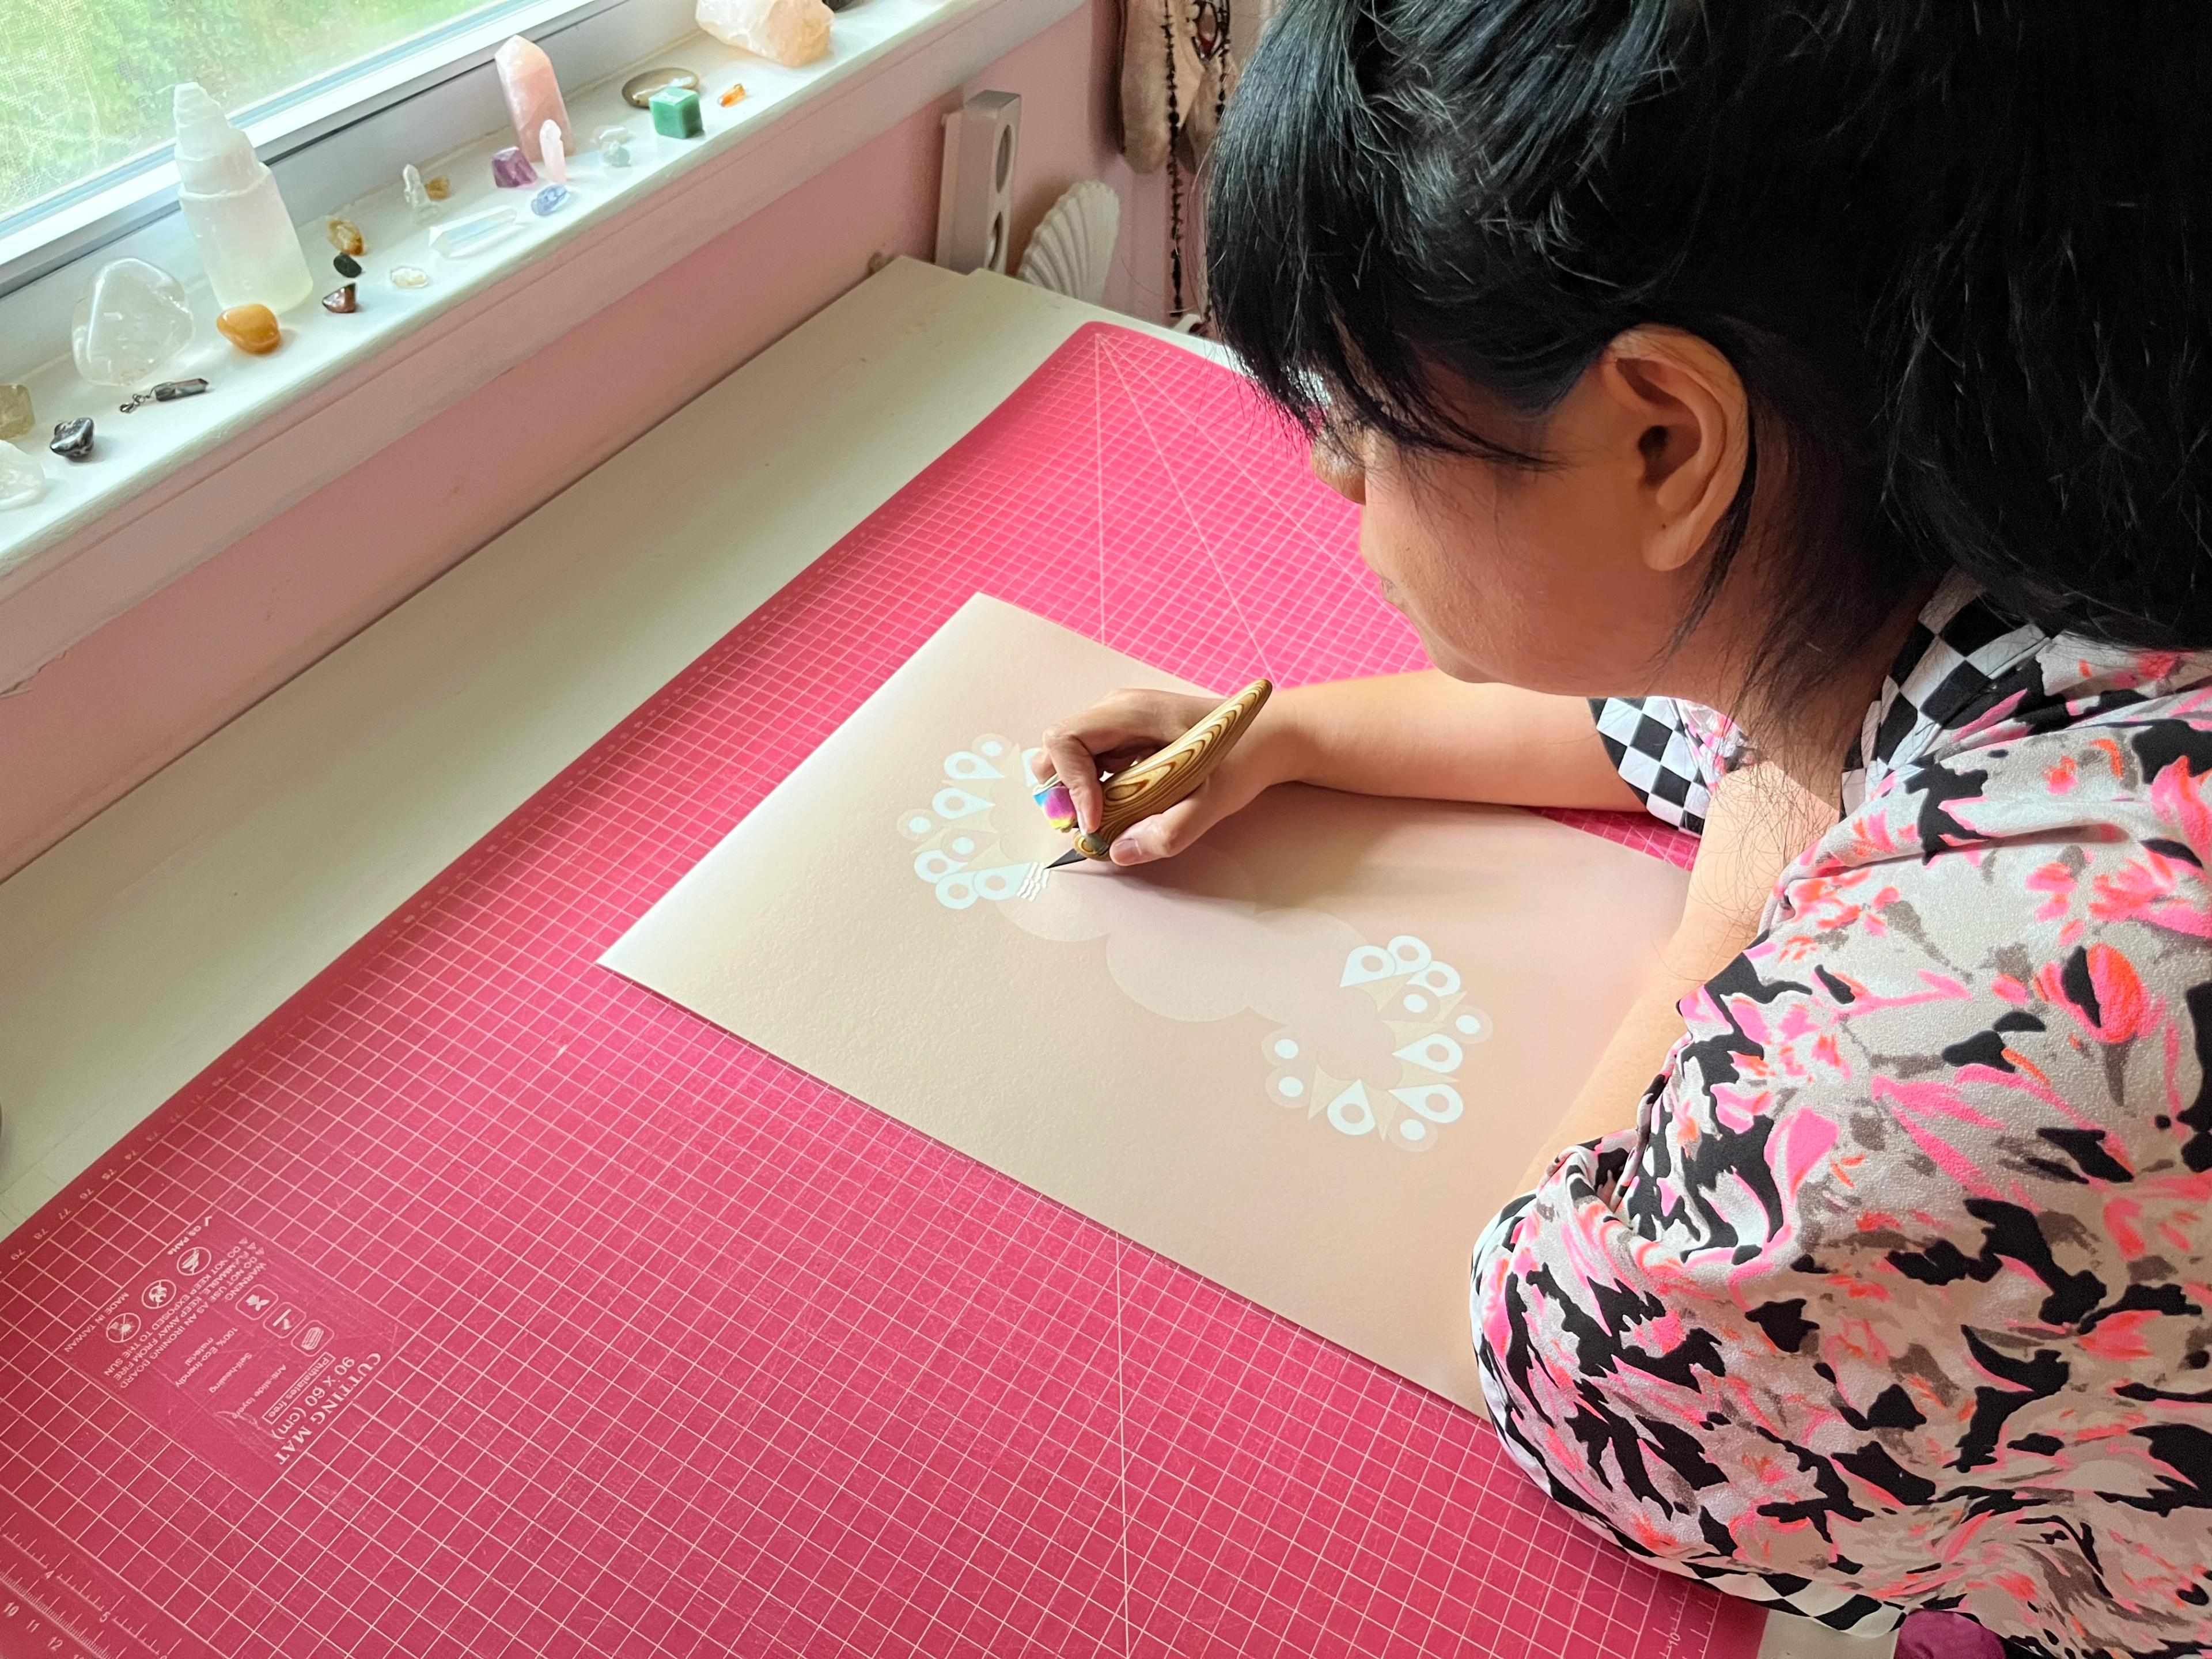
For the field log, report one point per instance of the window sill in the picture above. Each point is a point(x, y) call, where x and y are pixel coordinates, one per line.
point(170, 485)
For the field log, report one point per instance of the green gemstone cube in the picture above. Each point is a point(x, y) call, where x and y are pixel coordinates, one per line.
point(675, 113)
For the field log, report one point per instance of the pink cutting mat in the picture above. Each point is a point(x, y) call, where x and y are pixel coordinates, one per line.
point(479, 1303)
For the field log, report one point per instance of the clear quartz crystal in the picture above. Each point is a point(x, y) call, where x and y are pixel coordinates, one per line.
point(470, 236)
point(426, 211)
point(134, 318)
point(554, 152)
point(23, 480)
point(614, 145)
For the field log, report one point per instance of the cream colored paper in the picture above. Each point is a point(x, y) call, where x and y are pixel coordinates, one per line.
point(1307, 1059)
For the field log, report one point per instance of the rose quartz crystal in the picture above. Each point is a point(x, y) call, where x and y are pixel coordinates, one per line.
point(786, 32)
point(533, 96)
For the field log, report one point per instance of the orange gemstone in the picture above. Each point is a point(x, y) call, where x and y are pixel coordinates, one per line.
point(734, 94)
point(438, 188)
point(252, 328)
point(345, 236)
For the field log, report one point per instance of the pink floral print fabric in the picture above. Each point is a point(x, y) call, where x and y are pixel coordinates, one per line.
point(1901, 1288)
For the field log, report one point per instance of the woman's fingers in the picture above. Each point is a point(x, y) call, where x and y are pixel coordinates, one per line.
point(1131, 721)
point(1163, 835)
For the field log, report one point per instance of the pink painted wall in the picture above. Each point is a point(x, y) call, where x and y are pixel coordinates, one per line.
point(122, 703)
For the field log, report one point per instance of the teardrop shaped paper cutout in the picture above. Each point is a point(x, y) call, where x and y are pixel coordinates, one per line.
point(935, 865)
point(957, 803)
point(1351, 1112)
point(968, 766)
point(1438, 976)
point(1440, 1102)
point(1001, 881)
point(1434, 1054)
point(1410, 954)
point(1366, 964)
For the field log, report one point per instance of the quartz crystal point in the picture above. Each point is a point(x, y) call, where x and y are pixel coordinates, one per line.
point(16, 415)
point(133, 318)
point(23, 480)
point(555, 151)
point(533, 95)
point(786, 32)
point(614, 146)
point(466, 237)
point(420, 202)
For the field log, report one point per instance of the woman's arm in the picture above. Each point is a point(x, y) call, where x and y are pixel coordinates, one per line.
point(1758, 821)
point(1431, 736)
point(1423, 735)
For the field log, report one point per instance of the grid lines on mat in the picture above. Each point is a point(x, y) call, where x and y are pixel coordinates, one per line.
point(701, 1356)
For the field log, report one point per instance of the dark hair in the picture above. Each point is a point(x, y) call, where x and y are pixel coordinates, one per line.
point(1951, 247)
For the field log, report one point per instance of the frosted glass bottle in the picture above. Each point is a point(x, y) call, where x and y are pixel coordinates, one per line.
point(237, 218)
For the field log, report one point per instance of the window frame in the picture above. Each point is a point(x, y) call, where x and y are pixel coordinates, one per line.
point(102, 540)
point(323, 139)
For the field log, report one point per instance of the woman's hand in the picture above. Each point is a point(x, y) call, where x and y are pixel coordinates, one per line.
point(1129, 726)
point(1403, 734)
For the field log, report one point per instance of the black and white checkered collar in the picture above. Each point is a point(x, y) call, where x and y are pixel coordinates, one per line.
point(1970, 676)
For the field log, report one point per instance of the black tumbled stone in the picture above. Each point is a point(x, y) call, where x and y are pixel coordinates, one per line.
point(347, 266)
point(73, 439)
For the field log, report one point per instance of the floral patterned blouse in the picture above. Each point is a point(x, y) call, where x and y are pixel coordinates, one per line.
point(1900, 1291)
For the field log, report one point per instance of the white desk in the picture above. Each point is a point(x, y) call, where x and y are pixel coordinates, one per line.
point(138, 950)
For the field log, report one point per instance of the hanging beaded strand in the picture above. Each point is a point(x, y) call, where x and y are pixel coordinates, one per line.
point(1175, 165)
point(1208, 22)
point(1218, 11)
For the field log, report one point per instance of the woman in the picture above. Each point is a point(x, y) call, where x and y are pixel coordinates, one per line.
point(1842, 368)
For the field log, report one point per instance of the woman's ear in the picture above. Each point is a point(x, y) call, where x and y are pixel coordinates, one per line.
point(1339, 462)
point(1678, 402)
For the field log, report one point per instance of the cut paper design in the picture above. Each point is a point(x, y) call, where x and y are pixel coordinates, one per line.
point(1403, 1092)
point(1416, 998)
point(1308, 1058)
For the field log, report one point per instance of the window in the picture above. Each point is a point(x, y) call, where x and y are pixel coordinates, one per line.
point(84, 85)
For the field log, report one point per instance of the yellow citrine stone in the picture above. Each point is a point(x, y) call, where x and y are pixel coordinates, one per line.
point(252, 328)
point(345, 236)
